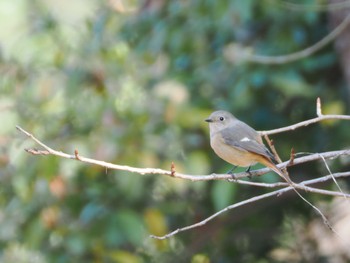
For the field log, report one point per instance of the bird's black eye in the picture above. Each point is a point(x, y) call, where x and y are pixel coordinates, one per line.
point(221, 118)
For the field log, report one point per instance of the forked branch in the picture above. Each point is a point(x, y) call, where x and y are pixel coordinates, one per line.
point(308, 157)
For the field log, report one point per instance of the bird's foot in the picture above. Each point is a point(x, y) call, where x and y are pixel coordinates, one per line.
point(249, 174)
point(231, 170)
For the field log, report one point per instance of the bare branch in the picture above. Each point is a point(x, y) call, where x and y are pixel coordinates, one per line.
point(305, 123)
point(320, 117)
point(145, 171)
point(251, 200)
point(272, 148)
point(77, 157)
point(312, 7)
point(234, 52)
point(318, 107)
point(173, 173)
point(203, 222)
point(299, 186)
point(287, 186)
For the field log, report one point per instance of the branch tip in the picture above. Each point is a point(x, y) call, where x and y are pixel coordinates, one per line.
point(22, 130)
point(172, 169)
point(292, 157)
point(156, 237)
point(318, 107)
point(76, 154)
point(273, 149)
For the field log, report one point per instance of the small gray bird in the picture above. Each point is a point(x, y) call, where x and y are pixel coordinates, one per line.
point(237, 143)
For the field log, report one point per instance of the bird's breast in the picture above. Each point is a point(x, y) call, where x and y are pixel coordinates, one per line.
point(231, 154)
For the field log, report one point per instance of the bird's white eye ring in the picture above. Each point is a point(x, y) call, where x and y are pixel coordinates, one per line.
point(221, 118)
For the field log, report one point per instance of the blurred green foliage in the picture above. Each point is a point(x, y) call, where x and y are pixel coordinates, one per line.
point(130, 82)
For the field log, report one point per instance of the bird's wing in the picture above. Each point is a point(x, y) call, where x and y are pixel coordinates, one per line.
point(245, 141)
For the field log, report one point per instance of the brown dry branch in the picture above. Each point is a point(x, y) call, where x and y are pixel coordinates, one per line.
point(272, 148)
point(172, 169)
point(76, 154)
point(292, 156)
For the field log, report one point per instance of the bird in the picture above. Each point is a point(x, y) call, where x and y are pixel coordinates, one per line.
point(239, 144)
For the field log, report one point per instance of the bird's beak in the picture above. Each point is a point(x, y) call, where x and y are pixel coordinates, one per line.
point(208, 120)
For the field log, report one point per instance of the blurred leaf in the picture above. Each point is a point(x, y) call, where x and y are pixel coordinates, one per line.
point(35, 233)
point(50, 216)
point(200, 258)
point(122, 256)
point(120, 52)
point(155, 222)
point(91, 211)
point(335, 107)
point(15, 252)
point(156, 225)
point(76, 244)
point(243, 9)
point(291, 84)
point(223, 194)
point(197, 163)
point(131, 226)
point(14, 15)
point(9, 119)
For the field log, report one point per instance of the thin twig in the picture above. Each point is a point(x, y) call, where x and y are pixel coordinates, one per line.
point(300, 186)
point(320, 117)
point(295, 187)
point(272, 148)
point(51, 151)
point(292, 157)
point(333, 178)
point(305, 123)
point(312, 7)
point(203, 222)
point(247, 201)
point(275, 154)
point(282, 59)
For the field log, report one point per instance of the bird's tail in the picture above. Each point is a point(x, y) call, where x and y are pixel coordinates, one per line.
point(274, 168)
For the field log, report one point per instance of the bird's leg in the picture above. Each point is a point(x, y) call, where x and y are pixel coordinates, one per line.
point(248, 171)
point(231, 170)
